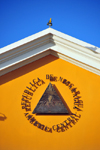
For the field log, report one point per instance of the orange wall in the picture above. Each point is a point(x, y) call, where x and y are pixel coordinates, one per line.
point(17, 133)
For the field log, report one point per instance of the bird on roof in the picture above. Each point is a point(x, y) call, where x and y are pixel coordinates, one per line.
point(50, 22)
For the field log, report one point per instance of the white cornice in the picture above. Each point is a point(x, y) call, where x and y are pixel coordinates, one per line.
point(53, 42)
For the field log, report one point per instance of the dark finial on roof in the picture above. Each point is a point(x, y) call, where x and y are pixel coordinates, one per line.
point(50, 22)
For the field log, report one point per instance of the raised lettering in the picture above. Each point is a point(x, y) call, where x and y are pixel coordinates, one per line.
point(73, 121)
point(31, 89)
point(47, 76)
point(29, 117)
point(67, 83)
point(54, 127)
point(69, 123)
point(73, 90)
point(76, 93)
point(50, 130)
point(65, 125)
point(26, 101)
point(36, 123)
point(60, 79)
point(78, 104)
point(77, 98)
point(35, 83)
point(40, 81)
point(32, 120)
point(28, 109)
point(47, 129)
point(64, 81)
point(41, 126)
point(26, 114)
point(78, 109)
point(71, 85)
point(26, 96)
point(28, 92)
point(58, 128)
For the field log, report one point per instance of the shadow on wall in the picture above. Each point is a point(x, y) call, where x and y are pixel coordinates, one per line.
point(2, 117)
point(27, 68)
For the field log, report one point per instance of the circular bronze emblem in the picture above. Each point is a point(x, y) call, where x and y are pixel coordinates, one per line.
point(52, 103)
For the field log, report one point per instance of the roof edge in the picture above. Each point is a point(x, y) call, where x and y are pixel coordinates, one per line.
point(25, 50)
point(45, 32)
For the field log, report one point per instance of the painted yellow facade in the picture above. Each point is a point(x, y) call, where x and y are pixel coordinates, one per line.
point(16, 131)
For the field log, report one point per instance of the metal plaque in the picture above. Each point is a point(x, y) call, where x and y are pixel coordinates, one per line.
point(50, 103)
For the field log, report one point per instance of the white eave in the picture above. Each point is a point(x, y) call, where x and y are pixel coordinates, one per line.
point(47, 42)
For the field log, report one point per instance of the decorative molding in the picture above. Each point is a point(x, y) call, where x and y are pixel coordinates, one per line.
point(48, 42)
point(77, 63)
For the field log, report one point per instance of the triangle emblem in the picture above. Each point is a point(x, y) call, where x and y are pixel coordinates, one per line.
point(50, 103)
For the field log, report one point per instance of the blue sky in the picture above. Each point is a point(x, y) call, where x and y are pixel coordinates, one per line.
point(22, 18)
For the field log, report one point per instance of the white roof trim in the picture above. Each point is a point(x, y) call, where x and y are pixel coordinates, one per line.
point(53, 42)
